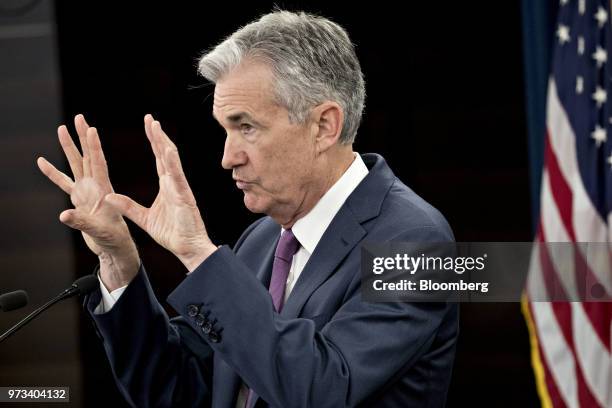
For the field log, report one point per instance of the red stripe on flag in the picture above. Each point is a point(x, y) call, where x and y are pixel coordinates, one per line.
point(600, 315)
point(561, 190)
point(554, 288)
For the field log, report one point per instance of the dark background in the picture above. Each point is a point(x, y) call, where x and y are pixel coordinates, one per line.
point(445, 107)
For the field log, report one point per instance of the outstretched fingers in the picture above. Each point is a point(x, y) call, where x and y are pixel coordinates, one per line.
point(166, 153)
point(161, 138)
point(157, 151)
point(57, 177)
point(75, 160)
point(175, 170)
point(99, 168)
point(81, 126)
point(170, 158)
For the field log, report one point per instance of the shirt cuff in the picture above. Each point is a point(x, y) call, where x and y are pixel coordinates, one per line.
point(108, 298)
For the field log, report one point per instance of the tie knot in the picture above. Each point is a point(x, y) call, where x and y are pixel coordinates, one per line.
point(287, 246)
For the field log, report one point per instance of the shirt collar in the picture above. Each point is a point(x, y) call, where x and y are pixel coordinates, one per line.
point(310, 228)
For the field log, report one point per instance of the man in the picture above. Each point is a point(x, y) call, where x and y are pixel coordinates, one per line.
point(277, 321)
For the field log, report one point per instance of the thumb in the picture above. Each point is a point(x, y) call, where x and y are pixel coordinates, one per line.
point(80, 221)
point(128, 208)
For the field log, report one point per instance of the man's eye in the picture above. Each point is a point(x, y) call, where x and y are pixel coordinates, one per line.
point(246, 128)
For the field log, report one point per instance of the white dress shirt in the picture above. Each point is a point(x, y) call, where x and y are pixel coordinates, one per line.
point(308, 230)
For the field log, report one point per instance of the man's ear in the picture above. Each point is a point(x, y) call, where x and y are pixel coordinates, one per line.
point(328, 119)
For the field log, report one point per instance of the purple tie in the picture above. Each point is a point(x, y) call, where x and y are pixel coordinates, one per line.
point(287, 246)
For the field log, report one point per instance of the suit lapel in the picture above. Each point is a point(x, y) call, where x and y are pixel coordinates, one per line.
point(267, 256)
point(338, 240)
point(344, 232)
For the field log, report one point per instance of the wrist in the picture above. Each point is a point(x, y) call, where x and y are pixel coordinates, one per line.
point(119, 266)
point(193, 259)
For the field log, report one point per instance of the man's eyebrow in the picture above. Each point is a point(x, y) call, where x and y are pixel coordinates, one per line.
point(239, 117)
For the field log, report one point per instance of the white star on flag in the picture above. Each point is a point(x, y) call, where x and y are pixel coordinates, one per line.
point(599, 134)
point(600, 96)
point(563, 34)
point(581, 6)
point(601, 16)
point(600, 55)
point(580, 45)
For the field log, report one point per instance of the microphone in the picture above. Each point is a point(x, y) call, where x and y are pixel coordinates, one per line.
point(13, 300)
point(81, 286)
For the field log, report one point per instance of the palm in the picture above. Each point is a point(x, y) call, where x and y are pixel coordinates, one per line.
point(103, 228)
point(88, 198)
point(173, 219)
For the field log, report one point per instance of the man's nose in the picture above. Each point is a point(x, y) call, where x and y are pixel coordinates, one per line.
point(233, 153)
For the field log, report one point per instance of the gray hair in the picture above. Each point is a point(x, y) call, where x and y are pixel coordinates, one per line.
point(312, 58)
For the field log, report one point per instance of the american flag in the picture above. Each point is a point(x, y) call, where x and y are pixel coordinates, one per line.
point(571, 340)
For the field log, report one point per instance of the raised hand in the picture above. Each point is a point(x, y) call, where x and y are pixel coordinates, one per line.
point(103, 228)
point(173, 220)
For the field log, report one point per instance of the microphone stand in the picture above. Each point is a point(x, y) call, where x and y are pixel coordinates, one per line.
point(69, 292)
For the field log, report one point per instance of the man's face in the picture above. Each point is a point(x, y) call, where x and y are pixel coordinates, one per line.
point(272, 159)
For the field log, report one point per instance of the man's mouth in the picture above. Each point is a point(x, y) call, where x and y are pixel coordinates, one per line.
point(241, 184)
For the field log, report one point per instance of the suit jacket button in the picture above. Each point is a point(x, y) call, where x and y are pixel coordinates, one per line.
point(207, 328)
point(214, 337)
point(192, 310)
point(201, 320)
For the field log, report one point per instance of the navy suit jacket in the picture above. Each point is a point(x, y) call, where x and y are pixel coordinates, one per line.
point(327, 348)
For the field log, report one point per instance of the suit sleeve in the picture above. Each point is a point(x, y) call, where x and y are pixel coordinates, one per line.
point(156, 362)
point(287, 361)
